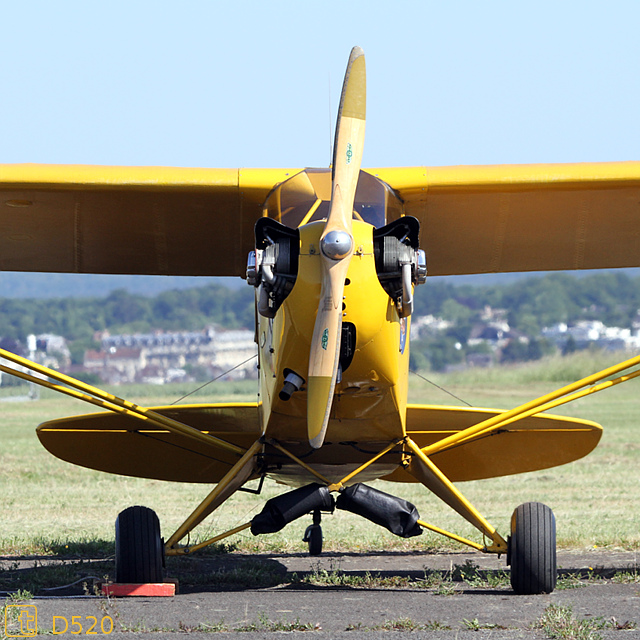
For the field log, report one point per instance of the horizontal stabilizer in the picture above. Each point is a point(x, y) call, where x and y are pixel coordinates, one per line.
point(115, 443)
point(530, 444)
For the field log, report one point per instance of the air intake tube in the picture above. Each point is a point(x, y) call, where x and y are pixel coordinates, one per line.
point(286, 508)
point(395, 514)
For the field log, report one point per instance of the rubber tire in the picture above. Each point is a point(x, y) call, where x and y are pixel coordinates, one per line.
point(139, 547)
point(532, 549)
point(314, 539)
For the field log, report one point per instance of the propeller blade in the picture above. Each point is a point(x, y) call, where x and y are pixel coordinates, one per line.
point(336, 248)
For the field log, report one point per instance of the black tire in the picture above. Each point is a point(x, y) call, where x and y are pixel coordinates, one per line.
point(313, 537)
point(139, 547)
point(532, 549)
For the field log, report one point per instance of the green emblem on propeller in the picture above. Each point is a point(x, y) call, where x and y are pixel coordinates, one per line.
point(349, 152)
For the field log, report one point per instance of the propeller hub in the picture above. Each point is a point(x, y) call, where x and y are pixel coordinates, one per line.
point(337, 245)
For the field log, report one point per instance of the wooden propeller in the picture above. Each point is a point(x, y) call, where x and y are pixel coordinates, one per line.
point(336, 248)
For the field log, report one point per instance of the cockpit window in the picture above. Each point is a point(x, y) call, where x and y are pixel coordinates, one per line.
point(306, 196)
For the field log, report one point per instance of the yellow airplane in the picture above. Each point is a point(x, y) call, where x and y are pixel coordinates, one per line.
point(334, 257)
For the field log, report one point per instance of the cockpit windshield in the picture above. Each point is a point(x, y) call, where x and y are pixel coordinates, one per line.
point(306, 196)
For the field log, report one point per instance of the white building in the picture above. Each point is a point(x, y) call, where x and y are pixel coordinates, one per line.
point(167, 356)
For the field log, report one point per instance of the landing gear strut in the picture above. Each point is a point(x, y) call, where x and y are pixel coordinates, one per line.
point(313, 535)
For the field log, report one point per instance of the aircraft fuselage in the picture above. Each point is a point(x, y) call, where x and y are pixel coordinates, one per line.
point(370, 399)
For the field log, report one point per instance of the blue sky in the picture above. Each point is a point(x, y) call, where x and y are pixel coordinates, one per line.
point(227, 84)
point(255, 84)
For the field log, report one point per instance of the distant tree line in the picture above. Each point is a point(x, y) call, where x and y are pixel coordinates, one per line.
point(536, 302)
point(531, 303)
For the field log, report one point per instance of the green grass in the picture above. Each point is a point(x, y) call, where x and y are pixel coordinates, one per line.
point(595, 499)
point(553, 369)
point(263, 623)
point(445, 582)
point(476, 625)
point(335, 577)
point(560, 623)
point(51, 507)
point(402, 624)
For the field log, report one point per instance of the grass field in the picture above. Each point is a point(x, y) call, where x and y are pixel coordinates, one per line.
point(49, 505)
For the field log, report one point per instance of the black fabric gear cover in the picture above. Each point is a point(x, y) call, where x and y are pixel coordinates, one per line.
point(284, 509)
point(395, 514)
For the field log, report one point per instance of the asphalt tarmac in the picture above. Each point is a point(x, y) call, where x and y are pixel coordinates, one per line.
point(461, 610)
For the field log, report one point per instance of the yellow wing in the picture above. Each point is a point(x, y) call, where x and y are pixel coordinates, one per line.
point(523, 217)
point(155, 220)
point(133, 220)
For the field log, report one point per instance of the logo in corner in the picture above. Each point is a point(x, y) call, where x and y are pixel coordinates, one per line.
point(20, 621)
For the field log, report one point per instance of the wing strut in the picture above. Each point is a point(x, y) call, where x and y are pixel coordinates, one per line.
point(93, 395)
point(543, 403)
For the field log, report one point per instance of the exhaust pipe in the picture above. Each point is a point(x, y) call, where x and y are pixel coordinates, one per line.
point(292, 383)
